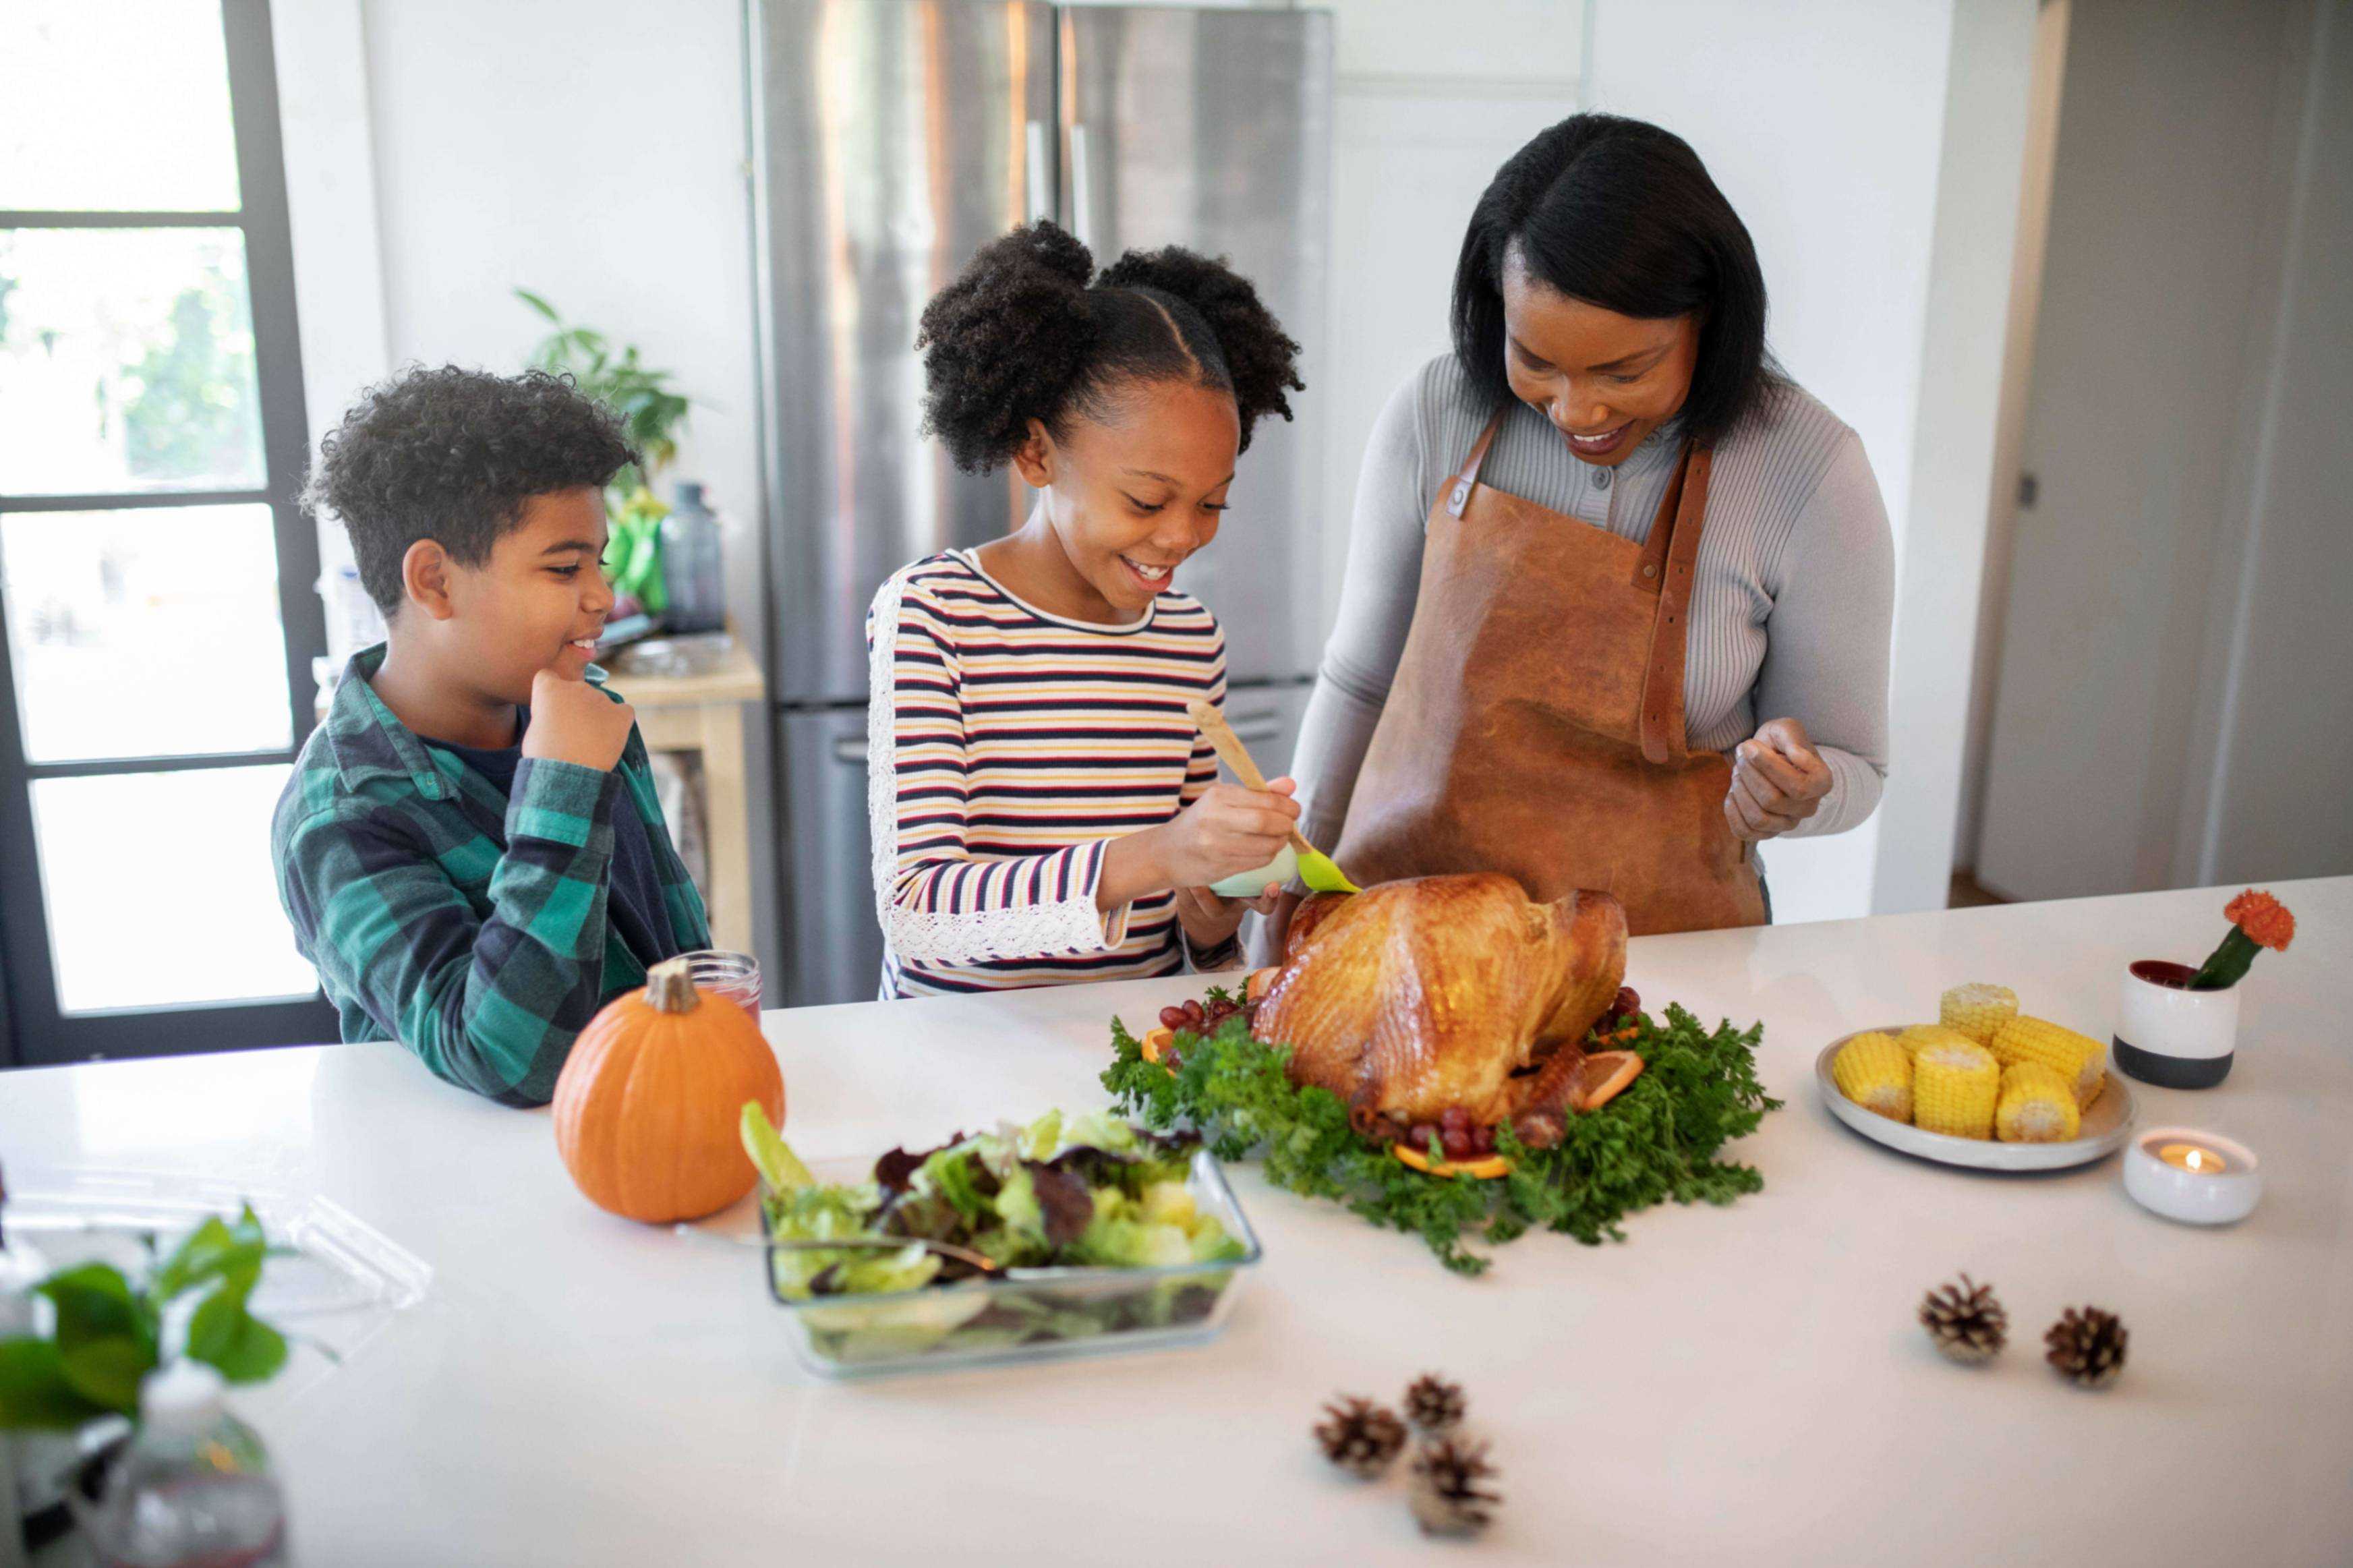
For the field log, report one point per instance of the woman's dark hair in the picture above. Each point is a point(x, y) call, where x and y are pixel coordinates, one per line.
point(451, 455)
point(1622, 214)
point(1027, 330)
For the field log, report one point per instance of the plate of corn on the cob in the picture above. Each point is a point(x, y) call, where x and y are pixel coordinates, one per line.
point(1985, 1085)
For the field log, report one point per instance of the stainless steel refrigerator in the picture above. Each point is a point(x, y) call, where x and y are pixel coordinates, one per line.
point(891, 139)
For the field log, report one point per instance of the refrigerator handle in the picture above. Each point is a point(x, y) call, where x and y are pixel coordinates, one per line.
point(850, 748)
point(1083, 214)
point(1042, 188)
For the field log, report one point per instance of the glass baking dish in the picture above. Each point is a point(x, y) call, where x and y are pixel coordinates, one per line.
point(1044, 1314)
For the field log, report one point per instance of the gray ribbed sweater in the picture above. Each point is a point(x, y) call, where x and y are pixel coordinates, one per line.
point(1790, 603)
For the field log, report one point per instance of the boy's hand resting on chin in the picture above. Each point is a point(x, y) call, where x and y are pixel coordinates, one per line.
point(572, 721)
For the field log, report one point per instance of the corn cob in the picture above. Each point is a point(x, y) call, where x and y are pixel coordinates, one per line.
point(1954, 1086)
point(1977, 1010)
point(1876, 1072)
point(2037, 1106)
point(2078, 1058)
point(1915, 1036)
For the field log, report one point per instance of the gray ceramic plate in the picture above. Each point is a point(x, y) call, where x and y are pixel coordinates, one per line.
point(2106, 1124)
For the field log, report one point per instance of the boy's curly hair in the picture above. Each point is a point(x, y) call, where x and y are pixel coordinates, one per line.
point(451, 455)
point(1027, 330)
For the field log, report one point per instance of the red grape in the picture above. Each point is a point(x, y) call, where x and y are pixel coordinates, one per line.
point(1457, 1143)
point(1172, 1018)
point(1421, 1134)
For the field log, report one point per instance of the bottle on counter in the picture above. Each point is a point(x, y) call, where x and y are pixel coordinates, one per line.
point(194, 1489)
point(693, 573)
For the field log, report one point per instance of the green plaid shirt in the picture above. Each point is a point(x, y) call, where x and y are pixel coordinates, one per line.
point(466, 925)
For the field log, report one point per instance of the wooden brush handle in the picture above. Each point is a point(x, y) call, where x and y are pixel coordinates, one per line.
point(1237, 758)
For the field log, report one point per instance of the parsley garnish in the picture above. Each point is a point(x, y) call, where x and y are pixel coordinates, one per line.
point(1656, 1141)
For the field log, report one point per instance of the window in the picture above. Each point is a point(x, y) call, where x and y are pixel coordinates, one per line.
point(157, 618)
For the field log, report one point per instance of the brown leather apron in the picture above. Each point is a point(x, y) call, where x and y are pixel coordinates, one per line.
point(1535, 725)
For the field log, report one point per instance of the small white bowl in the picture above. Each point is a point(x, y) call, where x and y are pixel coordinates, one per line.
point(2193, 1197)
point(1250, 884)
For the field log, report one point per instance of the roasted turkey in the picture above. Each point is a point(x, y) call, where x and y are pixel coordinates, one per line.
point(1416, 996)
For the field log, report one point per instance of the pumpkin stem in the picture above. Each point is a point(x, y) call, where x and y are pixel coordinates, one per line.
point(669, 987)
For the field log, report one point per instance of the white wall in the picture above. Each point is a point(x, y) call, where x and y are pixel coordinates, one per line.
point(1982, 170)
point(2010, 433)
point(2177, 469)
point(1825, 125)
point(591, 151)
point(1429, 100)
point(2271, 801)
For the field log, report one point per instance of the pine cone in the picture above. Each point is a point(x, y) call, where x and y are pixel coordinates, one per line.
point(1360, 1437)
point(1433, 1404)
point(1447, 1478)
point(2088, 1347)
point(1964, 1320)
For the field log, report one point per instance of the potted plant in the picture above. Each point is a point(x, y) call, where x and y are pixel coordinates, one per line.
point(81, 1339)
point(653, 415)
point(2178, 1027)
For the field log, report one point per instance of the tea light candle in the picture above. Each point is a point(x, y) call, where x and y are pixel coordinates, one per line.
point(2192, 1158)
point(2199, 1178)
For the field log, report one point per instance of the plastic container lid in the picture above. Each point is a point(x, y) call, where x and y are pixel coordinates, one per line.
point(182, 1399)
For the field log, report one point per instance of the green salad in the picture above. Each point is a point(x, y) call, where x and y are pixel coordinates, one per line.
point(1065, 1191)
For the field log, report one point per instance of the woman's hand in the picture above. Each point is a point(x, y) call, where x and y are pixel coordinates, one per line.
point(1210, 920)
point(1778, 780)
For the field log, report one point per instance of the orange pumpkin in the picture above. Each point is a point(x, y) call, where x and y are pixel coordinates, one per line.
point(647, 1106)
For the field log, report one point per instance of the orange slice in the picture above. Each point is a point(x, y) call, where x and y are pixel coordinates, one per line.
point(1484, 1170)
point(1155, 1042)
point(1617, 1037)
point(1600, 1077)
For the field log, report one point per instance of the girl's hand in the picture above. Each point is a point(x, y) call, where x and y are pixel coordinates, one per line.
point(1778, 780)
point(1228, 831)
point(1210, 920)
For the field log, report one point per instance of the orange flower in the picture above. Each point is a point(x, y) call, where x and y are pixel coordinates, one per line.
point(2265, 919)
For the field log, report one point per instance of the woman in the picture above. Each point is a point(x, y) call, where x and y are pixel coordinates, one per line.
point(1044, 810)
point(1618, 592)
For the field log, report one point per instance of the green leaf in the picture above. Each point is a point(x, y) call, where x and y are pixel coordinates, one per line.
point(94, 1301)
point(35, 1392)
point(214, 1250)
point(225, 1335)
point(537, 304)
point(108, 1371)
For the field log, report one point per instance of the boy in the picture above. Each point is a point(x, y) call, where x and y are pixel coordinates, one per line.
point(471, 848)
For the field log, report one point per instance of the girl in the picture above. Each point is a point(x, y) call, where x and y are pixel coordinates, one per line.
point(1043, 809)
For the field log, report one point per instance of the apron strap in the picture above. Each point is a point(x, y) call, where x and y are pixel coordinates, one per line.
point(1682, 513)
point(1466, 477)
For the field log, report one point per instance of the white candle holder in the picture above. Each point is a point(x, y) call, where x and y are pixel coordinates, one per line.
point(2171, 1035)
point(2193, 1197)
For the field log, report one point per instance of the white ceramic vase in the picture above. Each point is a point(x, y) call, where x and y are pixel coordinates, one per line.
point(2171, 1035)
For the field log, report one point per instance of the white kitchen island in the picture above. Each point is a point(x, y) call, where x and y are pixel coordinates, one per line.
point(1746, 1384)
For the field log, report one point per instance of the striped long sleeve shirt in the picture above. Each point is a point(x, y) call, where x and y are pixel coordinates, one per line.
point(1007, 747)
